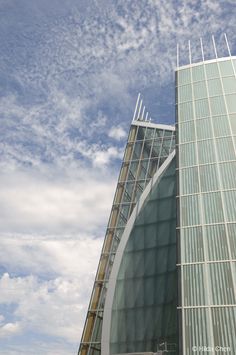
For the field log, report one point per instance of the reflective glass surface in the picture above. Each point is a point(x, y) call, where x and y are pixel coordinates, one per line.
point(206, 208)
point(144, 313)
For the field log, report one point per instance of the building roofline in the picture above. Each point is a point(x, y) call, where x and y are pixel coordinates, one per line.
point(204, 62)
point(153, 125)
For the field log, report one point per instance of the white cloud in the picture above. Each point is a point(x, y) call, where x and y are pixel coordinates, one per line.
point(9, 329)
point(57, 204)
point(54, 306)
point(117, 133)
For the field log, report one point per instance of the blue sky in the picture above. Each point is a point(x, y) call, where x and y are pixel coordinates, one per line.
point(70, 73)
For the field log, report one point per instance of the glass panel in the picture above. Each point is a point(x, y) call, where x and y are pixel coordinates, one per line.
point(168, 133)
point(230, 203)
point(133, 170)
point(143, 169)
point(185, 93)
point(197, 330)
point(184, 76)
point(217, 242)
point(202, 108)
point(200, 90)
point(225, 149)
point(137, 150)
point(208, 177)
point(192, 245)
point(141, 133)
point(224, 329)
point(212, 70)
point(232, 239)
point(226, 68)
point(214, 87)
point(166, 146)
point(213, 207)
point(228, 174)
point(145, 299)
point(128, 191)
point(206, 152)
point(233, 123)
point(198, 73)
point(189, 210)
point(217, 105)
point(221, 283)
point(156, 149)
point(194, 286)
point(204, 129)
point(152, 167)
point(150, 132)
point(221, 126)
point(186, 132)
point(229, 85)
point(231, 103)
point(187, 154)
point(159, 133)
point(185, 112)
point(189, 181)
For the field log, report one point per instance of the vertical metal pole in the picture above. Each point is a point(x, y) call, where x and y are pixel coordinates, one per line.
point(227, 44)
point(214, 45)
point(146, 118)
point(135, 110)
point(203, 58)
point(189, 52)
point(140, 106)
point(177, 55)
point(143, 113)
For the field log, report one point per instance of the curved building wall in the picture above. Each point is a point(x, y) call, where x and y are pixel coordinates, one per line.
point(206, 96)
point(143, 314)
point(147, 148)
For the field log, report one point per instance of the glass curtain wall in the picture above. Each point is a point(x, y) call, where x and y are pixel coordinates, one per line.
point(144, 312)
point(147, 148)
point(206, 167)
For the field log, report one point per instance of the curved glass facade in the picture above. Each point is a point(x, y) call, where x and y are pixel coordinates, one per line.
point(147, 148)
point(144, 312)
point(206, 98)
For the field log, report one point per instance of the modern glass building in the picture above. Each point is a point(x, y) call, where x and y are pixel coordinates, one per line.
point(206, 206)
point(166, 281)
